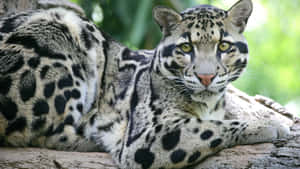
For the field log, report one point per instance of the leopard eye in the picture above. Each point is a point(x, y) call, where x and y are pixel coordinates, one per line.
point(224, 46)
point(186, 47)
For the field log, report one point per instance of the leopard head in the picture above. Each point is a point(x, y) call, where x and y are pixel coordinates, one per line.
point(202, 49)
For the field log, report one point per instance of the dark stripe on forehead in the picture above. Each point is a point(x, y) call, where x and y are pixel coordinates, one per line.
point(243, 48)
point(225, 34)
point(187, 35)
point(168, 50)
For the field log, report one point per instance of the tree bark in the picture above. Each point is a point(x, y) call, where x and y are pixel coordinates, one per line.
point(281, 154)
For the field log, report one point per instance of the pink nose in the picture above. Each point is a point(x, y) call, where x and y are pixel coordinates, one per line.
point(206, 79)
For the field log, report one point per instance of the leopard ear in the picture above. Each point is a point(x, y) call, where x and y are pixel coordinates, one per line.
point(239, 14)
point(166, 18)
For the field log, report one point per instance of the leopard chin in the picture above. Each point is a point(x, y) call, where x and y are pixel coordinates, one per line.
point(200, 96)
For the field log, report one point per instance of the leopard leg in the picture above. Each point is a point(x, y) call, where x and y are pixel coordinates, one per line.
point(180, 142)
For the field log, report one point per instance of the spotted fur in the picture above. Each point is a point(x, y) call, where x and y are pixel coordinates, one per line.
point(65, 85)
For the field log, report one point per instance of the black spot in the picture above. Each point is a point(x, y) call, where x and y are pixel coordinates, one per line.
point(59, 129)
point(235, 123)
point(43, 51)
point(178, 156)
point(158, 111)
point(60, 104)
point(18, 125)
point(10, 61)
point(44, 71)
point(49, 131)
point(158, 128)
point(216, 143)
point(69, 120)
point(220, 91)
point(38, 123)
point(170, 140)
point(63, 139)
point(233, 79)
point(206, 135)
point(187, 121)
point(195, 130)
point(27, 85)
point(216, 122)
point(80, 130)
point(49, 89)
point(66, 81)
point(71, 108)
point(220, 24)
point(199, 120)
point(5, 84)
point(76, 94)
point(144, 157)
point(243, 48)
point(168, 50)
point(194, 157)
point(148, 137)
point(40, 107)
point(34, 62)
point(9, 25)
point(67, 94)
point(92, 119)
point(70, 57)
point(106, 127)
point(176, 121)
point(95, 39)
point(127, 54)
point(190, 25)
point(85, 37)
point(90, 27)
point(154, 120)
point(79, 107)
point(8, 108)
point(57, 65)
point(57, 16)
point(76, 70)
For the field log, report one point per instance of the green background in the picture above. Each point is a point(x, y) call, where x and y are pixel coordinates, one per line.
point(273, 34)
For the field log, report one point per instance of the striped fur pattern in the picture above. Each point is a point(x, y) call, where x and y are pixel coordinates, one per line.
point(66, 85)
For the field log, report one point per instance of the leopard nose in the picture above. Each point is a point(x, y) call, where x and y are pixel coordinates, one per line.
point(206, 79)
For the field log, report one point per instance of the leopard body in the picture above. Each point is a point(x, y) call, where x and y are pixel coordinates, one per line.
point(66, 85)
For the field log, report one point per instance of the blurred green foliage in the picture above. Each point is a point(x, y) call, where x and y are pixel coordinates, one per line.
point(274, 67)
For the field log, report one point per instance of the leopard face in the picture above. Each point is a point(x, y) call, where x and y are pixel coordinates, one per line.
point(203, 48)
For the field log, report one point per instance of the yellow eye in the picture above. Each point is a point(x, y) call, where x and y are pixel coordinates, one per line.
point(186, 47)
point(224, 46)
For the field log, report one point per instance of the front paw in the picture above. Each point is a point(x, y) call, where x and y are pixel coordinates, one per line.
point(277, 130)
point(263, 133)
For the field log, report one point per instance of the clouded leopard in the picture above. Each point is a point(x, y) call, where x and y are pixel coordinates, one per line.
point(66, 85)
